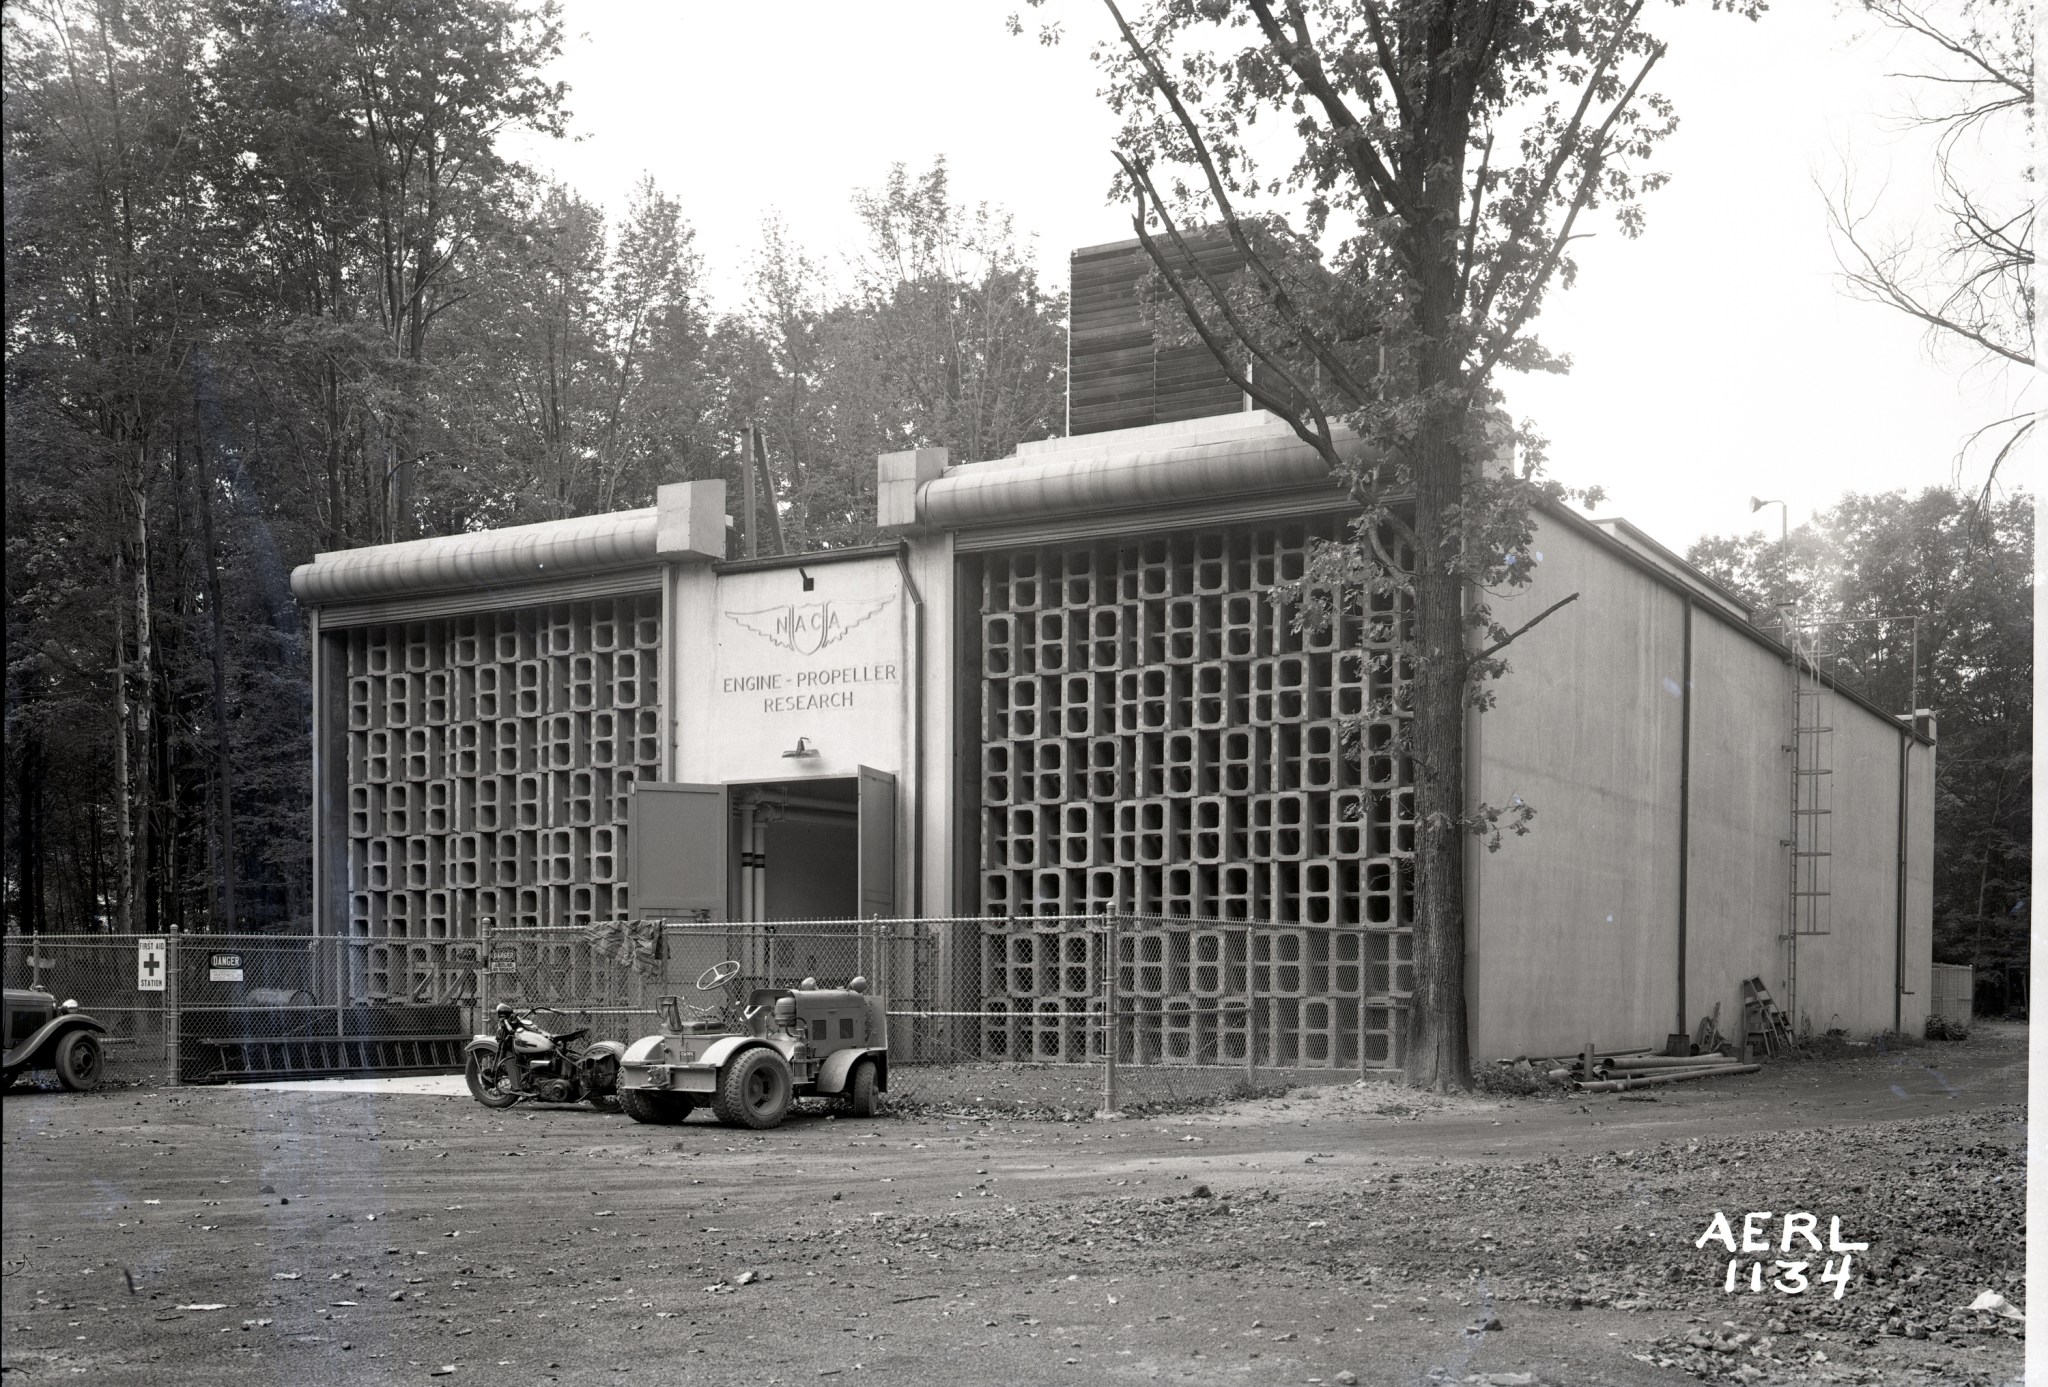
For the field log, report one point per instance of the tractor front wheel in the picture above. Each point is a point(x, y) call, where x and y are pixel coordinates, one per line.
point(753, 1091)
point(860, 1090)
point(654, 1106)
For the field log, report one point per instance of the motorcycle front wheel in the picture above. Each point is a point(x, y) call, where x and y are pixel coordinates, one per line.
point(485, 1074)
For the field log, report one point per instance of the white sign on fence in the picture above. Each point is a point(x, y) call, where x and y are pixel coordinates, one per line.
point(224, 968)
point(149, 965)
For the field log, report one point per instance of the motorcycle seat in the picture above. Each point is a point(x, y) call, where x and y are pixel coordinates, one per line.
point(561, 1036)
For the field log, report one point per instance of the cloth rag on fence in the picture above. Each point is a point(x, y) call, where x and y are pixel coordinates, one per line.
point(635, 943)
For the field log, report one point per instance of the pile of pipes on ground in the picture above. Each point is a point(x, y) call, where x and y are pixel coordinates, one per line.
point(1595, 1072)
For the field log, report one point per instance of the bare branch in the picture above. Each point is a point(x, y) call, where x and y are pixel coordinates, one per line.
point(1518, 632)
point(1903, 16)
point(1878, 281)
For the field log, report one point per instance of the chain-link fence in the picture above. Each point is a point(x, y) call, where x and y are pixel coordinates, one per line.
point(1019, 1013)
point(1065, 1012)
point(200, 1007)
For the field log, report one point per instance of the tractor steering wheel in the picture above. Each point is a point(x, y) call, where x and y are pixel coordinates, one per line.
point(718, 975)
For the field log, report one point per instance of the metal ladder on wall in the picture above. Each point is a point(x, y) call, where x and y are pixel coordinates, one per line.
point(1809, 909)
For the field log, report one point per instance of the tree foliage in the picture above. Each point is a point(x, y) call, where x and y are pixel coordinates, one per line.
point(274, 287)
point(1446, 157)
point(1965, 571)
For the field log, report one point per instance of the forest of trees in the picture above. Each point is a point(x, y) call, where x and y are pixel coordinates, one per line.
point(273, 287)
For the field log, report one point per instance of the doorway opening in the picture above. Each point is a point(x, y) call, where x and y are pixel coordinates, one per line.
point(796, 850)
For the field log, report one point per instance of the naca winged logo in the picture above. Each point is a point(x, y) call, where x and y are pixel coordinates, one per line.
point(809, 627)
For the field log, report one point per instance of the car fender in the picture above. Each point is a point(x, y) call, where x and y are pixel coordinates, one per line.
point(48, 1033)
point(837, 1069)
point(728, 1048)
point(648, 1049)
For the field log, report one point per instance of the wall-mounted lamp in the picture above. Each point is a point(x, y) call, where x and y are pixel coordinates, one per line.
point(802, 751)
point(809, 582)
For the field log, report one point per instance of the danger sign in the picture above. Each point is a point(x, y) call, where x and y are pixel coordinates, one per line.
point(149, 965)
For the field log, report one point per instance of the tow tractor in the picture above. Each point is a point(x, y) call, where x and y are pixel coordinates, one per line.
point(747, 1060)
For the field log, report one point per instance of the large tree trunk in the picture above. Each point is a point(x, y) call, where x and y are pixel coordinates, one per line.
point(1438, 1057)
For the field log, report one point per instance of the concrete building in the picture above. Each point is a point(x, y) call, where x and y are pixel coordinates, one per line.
point(1066, 687)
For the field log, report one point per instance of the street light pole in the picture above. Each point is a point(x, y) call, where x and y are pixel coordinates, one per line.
point(1784, 513)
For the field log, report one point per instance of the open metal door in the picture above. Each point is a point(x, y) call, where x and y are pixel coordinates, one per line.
point(676, 849)
point(877, 844)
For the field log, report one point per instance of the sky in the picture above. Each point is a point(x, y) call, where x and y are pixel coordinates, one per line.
point(1714, 359)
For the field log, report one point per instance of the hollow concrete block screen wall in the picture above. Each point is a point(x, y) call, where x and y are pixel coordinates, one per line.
point(489, 759)
point(1157, 737)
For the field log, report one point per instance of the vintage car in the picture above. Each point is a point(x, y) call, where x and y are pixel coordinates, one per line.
point(43, 1033)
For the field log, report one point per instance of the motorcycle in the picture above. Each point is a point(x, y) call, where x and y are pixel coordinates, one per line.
point(524, 1060)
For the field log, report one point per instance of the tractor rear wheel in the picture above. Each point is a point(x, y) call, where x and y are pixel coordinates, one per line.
point(860, 1090)
point(753, 1091)
point(654, 1106)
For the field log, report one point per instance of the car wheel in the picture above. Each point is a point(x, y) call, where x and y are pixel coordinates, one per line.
point(753, 1091)
point(860, 1090)
point(80, 1063)
point(654, 1106)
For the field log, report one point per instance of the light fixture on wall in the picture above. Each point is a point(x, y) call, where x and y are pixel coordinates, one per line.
point(802, 751)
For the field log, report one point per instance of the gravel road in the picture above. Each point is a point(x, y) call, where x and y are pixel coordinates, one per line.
point(243, 1237)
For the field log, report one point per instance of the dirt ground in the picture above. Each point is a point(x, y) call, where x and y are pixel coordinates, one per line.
point(1338, 1234)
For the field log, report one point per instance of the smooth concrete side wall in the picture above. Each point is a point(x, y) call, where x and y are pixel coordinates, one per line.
point(1575, 930)
point(1741, 811)
point(1573, 936)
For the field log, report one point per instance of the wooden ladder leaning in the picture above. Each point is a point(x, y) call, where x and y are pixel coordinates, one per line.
point(1765, 1028)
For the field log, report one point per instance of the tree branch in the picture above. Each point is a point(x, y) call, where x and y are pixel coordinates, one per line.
point(1387, 66)
point(1518, 229)
point(1518, 632)
point(1588, 180)
point(1382, 191)
point(1282, 302)
point(1320, 438)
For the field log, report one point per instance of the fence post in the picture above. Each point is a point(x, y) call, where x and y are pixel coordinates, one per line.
point(1111, 1006)
point(1251, 1015)
point(1364, 970)
point(170, 1005)
point(479, 1003)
